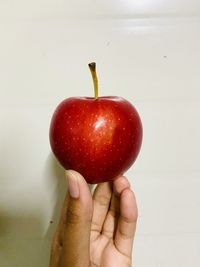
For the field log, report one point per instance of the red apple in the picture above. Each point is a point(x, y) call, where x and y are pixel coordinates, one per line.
point(99, 137)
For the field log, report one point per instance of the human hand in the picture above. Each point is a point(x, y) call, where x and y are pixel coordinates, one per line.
point(98, 230)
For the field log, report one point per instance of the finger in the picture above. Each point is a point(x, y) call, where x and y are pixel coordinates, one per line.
point(127, 223)
point(75, 251)
point(109, 227)
point(101, 202)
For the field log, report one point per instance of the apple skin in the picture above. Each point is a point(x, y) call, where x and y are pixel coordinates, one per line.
point(99, 138)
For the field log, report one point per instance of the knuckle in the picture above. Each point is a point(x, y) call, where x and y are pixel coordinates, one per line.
point(129, 220)
point(124, 235)
point(73, 216)
point(108, 233)
point(103, 200)
point(114, 213)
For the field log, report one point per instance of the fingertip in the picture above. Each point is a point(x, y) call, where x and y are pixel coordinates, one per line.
point(78, 177)
point(120, 184)
point(128, 205)
point(78, 187)
point(75, 174)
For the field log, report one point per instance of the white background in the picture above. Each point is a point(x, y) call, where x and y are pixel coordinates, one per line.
point(146, 51)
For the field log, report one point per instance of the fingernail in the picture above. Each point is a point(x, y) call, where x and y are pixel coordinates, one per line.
point(73, 186)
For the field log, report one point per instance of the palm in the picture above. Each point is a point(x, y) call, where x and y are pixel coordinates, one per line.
point(111, 239)
point(104, 253)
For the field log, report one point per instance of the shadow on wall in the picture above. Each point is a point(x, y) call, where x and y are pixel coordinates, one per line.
point(57, 178)
point(26, 232)
point(19, 246)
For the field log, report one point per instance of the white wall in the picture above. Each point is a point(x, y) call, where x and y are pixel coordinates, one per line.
point(147, 52)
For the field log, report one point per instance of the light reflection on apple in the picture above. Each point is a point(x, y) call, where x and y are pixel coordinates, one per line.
point(100, 123)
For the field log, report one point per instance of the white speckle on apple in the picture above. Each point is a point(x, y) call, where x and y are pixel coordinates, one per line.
point(124, 128)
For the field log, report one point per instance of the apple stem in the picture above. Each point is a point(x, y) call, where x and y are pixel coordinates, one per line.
point(92, 67)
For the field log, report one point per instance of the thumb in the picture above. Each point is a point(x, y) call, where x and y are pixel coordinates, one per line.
point(76, 239)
